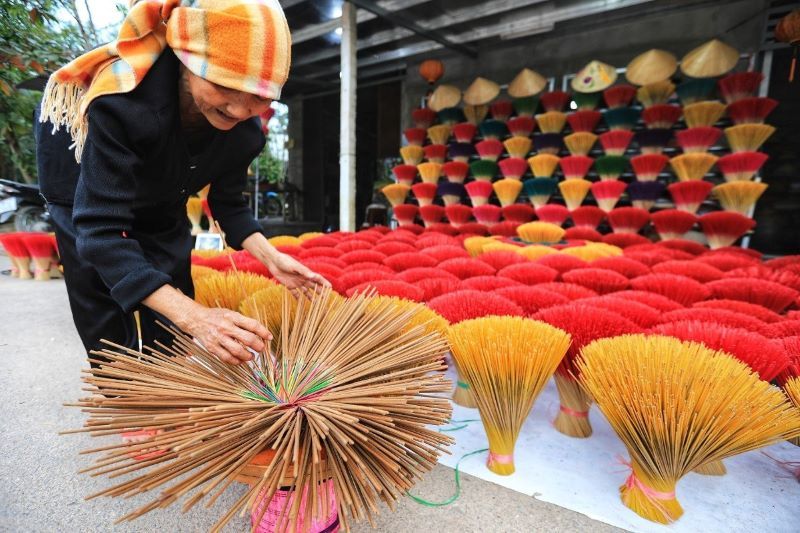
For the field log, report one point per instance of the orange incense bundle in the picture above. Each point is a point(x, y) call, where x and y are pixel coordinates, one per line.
point(584, 324)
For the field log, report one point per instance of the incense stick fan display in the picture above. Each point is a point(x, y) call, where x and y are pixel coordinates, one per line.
point(348, 396)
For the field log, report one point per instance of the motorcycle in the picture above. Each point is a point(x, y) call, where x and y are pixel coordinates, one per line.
point(27, 207)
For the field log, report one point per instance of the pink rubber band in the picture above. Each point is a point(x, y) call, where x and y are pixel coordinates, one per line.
point(500, 459)
point(635, 482)
point(572, 412)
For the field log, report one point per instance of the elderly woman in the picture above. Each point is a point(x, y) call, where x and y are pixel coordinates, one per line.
point(153, 117)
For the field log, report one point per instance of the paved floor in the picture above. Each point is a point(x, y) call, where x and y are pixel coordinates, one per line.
point(41, 491)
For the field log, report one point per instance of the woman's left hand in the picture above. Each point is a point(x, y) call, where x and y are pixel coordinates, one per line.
point(294, 275)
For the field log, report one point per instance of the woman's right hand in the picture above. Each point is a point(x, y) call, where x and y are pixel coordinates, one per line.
point(226, 334)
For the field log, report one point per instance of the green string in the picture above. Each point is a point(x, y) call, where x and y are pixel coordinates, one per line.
point(463, 424)
point(455, 496)
point(462, 384)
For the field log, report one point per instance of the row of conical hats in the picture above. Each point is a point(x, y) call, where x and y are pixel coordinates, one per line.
point(709, 60)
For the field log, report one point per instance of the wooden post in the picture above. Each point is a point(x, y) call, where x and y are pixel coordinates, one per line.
point(347, 127)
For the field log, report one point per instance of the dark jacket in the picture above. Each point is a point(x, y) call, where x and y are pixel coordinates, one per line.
point(129, 192)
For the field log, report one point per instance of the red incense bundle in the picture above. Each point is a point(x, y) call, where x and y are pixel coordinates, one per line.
point(405, 174)
point(513, 167)
point(348, 280)
point(553, 213)
point(688, 196)
point(362, 256)
point(431, 214)
point(458, 214)
point(584, 120)
point(722, 317)
point(528, 273)
point(640, 314)
point(41, 251)
point(500, 259)
point(587, 216)
point(630, 268)
point(479, 192)
point(685, 245)
point(727, 261)
point(607, 193)
point(624, 240)
point(760, 271)
point(408, 260)
point(650, 299)
point(619, 95)
point(466, 304)
point(405, 214)
point(554, 100)
point(443, 252)
point(415, 136)
point(392, 287)
point(782, 330)
point(582, 234)
point(415, 274)
point(562, 262)
point(698, 139)
point(696, 270)
point(532, 299)
point(18, 253)
point(424, 193)
point(433, 287)
point(615, 142)
point(504, 229)
point(753, 110)
point(501, 109)
point(488, 283)
point(487, 214)
point(682, 289)
point(661, 116)
point(741, 166)
point(423, 117)
point(569, 290)
point(746, 308)
point(464, 132)
point(490, 149)
point(472, 229)
point(455, 171)
point(739, 85)
point(519, 213)
point(600, 280)
point(627, 219)
point(647, 167)
point(768, 294)
point(575, 166)
point(394, 247)
point(723, 228)
point(435, 153)
point(521, 126)
point(673, 223)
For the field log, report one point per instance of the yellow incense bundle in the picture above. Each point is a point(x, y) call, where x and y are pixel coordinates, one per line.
point(580, 142)
point(535, 251)
point(574, 192)
point(518, 146)
point(284, 240)
point(228, 289)
point(474, 245)
point(307, 236)
point(677, 406)
point(507, 190)
point(476, 113)
point(412, 155)
point(543, 165)
point(266, 306)
point(705, 113)
point(439, 134)
point(655, 93)
point(199, 271)
point(739, 196)
point(748, 137)
point(507, 361)
point(351, 395)
point(430, 172)
point(551, 122)
point(194, 210)
point(692, 166)
point(396, 193)
point(539, 232)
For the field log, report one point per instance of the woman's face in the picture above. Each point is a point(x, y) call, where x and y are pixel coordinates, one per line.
point(224, 108)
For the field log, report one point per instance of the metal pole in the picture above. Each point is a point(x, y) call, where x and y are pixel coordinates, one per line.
point(347, 127)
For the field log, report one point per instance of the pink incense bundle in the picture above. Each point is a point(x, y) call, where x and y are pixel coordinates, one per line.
point(479, 192)
point(584, 120)
point(415, 136)
point(647, 167)
point(624, 240)
point(607, 193)
point(575, 166)
point(519, 213)
point(682, 289)
point(699, 139)
point(576, 233)
point(487, 214)
point(408, 260)
point(584, 324)
point(673, 223)
point(394, 247)
point(739, 85)
point(424, 193)
point(765, 358)
point(553, 213)
point(488, 283)
point(627, 219)
point(500, 259)
point(696, 270)
point(521, 126)
point(619, 95)
point(501, 109)
point(532, 299)
point(490, 149)
point(723, 228)
point(660, 303)
point(746, 308)
point(513, 167)
point(435, 153)
point(760, 271)
point(431, 214)
point(783, 329)
point(443, 252)
point(640, 314)
point(661, 116)
point(528, 273)
point(433, 287)
point(504, 229)
point(464, 268)
point(630, 268)
point(415, 274)
point(615, 142)
point(455, 171)
point(587, 216)
point(600, 280)
point(405, 174)
point(464, 132)
point(769, 294)
point(688, 196)
point(463, 305)
point(753, 110)
point(741, 166)
point(405, 214)
point(554, 100)
point(423, 117)
point(399, 289)
point(473, 229)
point(569, 290)
point(458, 214)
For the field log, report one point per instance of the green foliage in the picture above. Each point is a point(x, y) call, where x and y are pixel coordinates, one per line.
point(33, 42)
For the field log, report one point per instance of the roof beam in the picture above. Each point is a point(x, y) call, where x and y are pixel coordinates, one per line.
point(398, 19)
point(318, 30)
point(451, 18)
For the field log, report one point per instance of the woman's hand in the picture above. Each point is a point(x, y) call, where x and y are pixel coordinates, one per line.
point(226, 333)
point(293, 274)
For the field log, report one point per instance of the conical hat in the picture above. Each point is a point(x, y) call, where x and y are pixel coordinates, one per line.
point(481, 91)
point(444, 96)
point(710, 60)
point(594, 77)
point(527, 83)
point(650, 67)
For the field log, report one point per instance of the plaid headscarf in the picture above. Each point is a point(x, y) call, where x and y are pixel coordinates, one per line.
point(239, 44)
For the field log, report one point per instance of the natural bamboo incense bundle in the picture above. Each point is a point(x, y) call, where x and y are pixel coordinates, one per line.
point(194, 210)
point(345, 370)
point(396, 193)
point(703, 114)
point(266, 306)
point(476, 113)
point(507, 361)
point(708, 394)
point(739, 196)
point(228, 289)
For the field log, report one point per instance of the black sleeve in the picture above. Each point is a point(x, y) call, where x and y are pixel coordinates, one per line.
point(102, 213)
point(225, 198)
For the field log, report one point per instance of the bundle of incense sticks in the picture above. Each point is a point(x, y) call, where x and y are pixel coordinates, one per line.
point(349, 395)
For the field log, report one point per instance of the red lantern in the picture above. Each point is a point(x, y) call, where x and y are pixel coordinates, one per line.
point(431, 70)
point(788, 31)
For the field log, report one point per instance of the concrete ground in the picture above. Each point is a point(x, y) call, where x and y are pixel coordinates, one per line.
point(40, 489)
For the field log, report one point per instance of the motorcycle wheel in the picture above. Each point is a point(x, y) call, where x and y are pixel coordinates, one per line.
point(32, 218)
